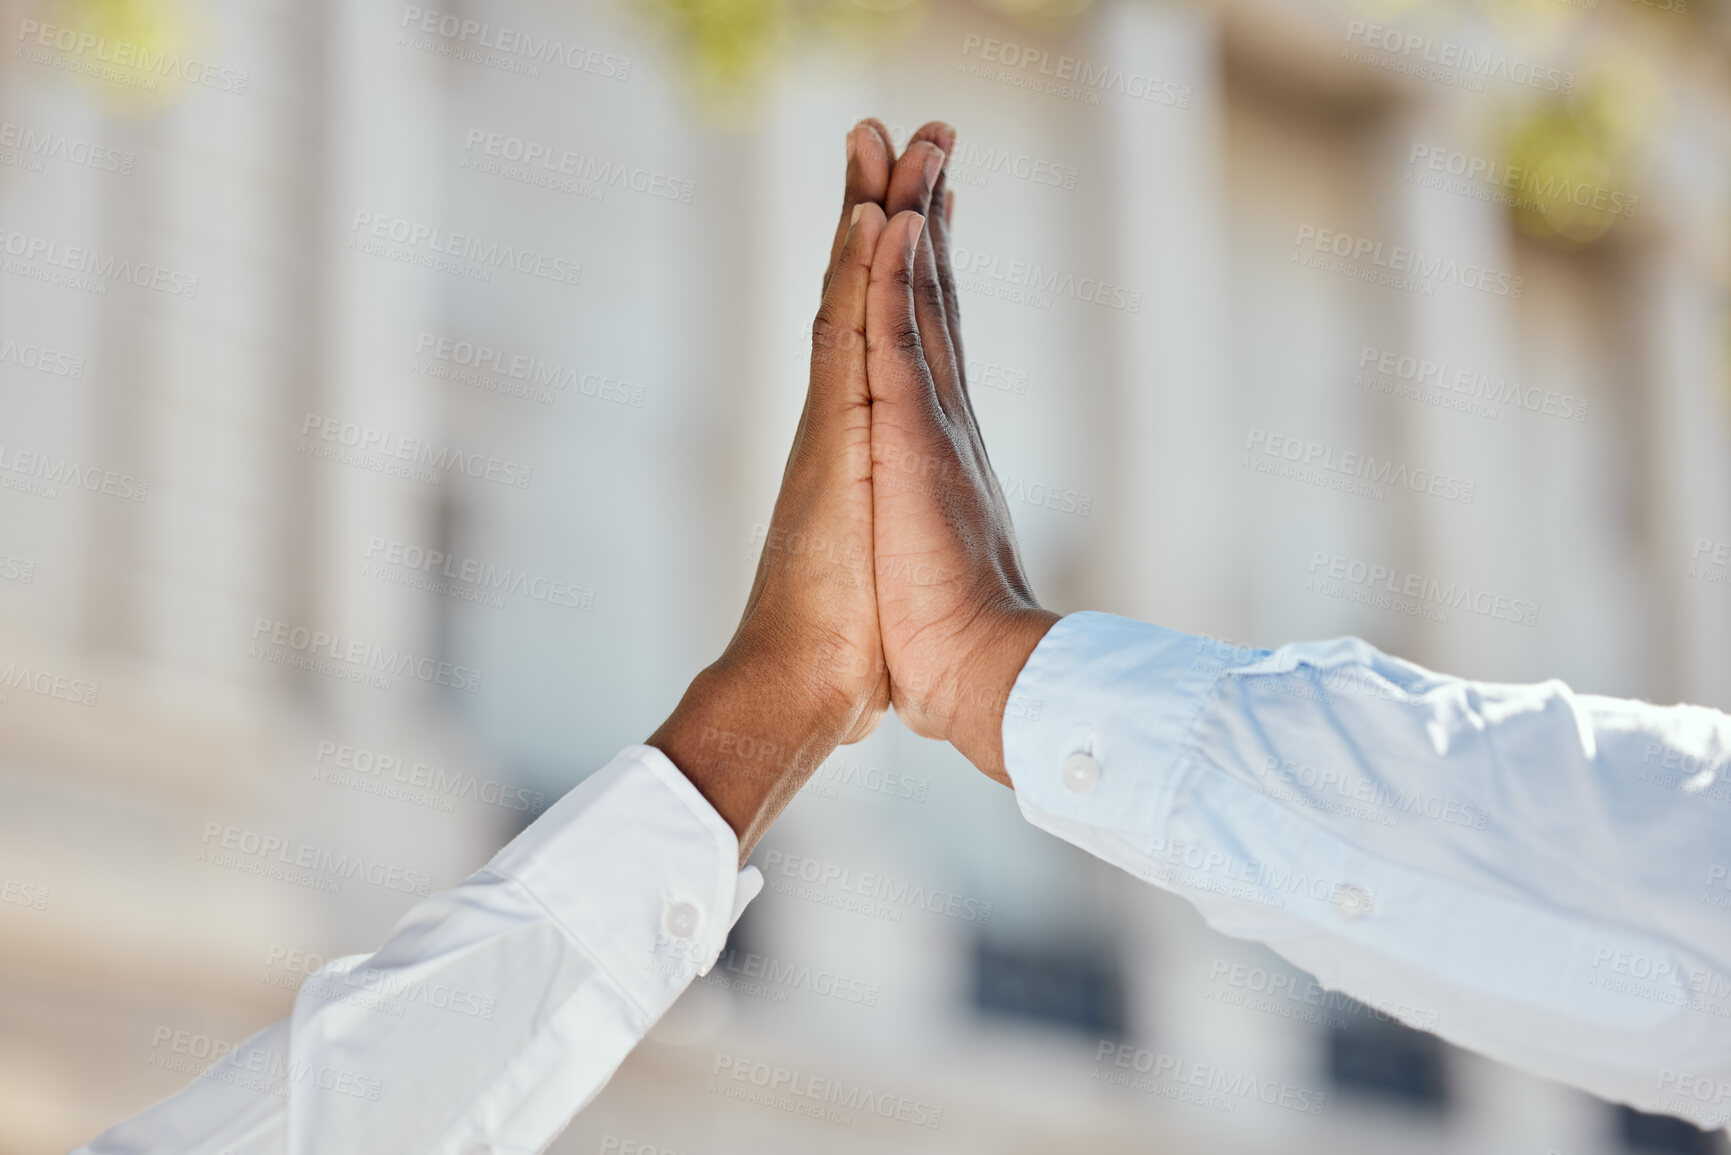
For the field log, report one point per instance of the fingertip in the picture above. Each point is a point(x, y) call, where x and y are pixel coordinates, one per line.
point(940, 134)
point(874, 135)
point(862, 233)
point(896, 244)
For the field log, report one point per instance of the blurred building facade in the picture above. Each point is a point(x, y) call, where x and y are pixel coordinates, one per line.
point(392, 410)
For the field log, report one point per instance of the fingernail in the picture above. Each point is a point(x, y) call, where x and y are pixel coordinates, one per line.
point(914, 235)
point(934, 164)
point(857, 210)
point(852, 143)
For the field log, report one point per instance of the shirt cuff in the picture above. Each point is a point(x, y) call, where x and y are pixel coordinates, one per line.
point(636, 866)
point(1107, 707)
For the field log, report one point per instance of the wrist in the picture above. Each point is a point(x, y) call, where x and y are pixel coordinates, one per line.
point(977, 729)
point(747, 742)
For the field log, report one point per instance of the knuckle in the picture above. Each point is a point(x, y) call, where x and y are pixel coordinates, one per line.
point(906, 336)
point(930, 294)
point(830, 335)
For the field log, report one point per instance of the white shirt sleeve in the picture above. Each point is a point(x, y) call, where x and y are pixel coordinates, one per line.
point(1535, 874)
point(497, 1009)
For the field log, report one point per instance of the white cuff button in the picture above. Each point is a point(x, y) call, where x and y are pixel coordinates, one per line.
point(682, 920)
point(1080, 773)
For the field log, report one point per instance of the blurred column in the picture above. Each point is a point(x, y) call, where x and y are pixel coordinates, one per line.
point(1687, 310)
point(1170, 553)
point(385, 110)
point(1482, 543)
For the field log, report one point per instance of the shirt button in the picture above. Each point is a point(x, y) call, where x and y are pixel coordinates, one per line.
point(1080, 773)
point(1352, 901)
point(682, 920)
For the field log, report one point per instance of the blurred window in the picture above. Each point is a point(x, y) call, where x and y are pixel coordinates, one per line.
point(1063, 984)
point(1374, 1055)
point(1642, 1132)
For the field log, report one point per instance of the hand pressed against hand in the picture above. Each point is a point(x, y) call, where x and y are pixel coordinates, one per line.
point(804, 670)
point(889, 570)
point(956, 612)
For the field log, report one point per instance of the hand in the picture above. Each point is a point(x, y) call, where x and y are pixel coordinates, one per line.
point(804, 670)
point(956, 611)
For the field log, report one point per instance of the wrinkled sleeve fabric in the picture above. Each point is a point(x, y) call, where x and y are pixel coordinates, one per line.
point(1534, 874)
point(497, 1009)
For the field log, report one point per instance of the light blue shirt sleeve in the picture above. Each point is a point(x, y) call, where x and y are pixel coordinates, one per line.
point(1532, 873)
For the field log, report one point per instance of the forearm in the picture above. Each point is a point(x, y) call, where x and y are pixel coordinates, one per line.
point(989, 681)
point(748, 741)
point(1463, 854)
point(494, 1010)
